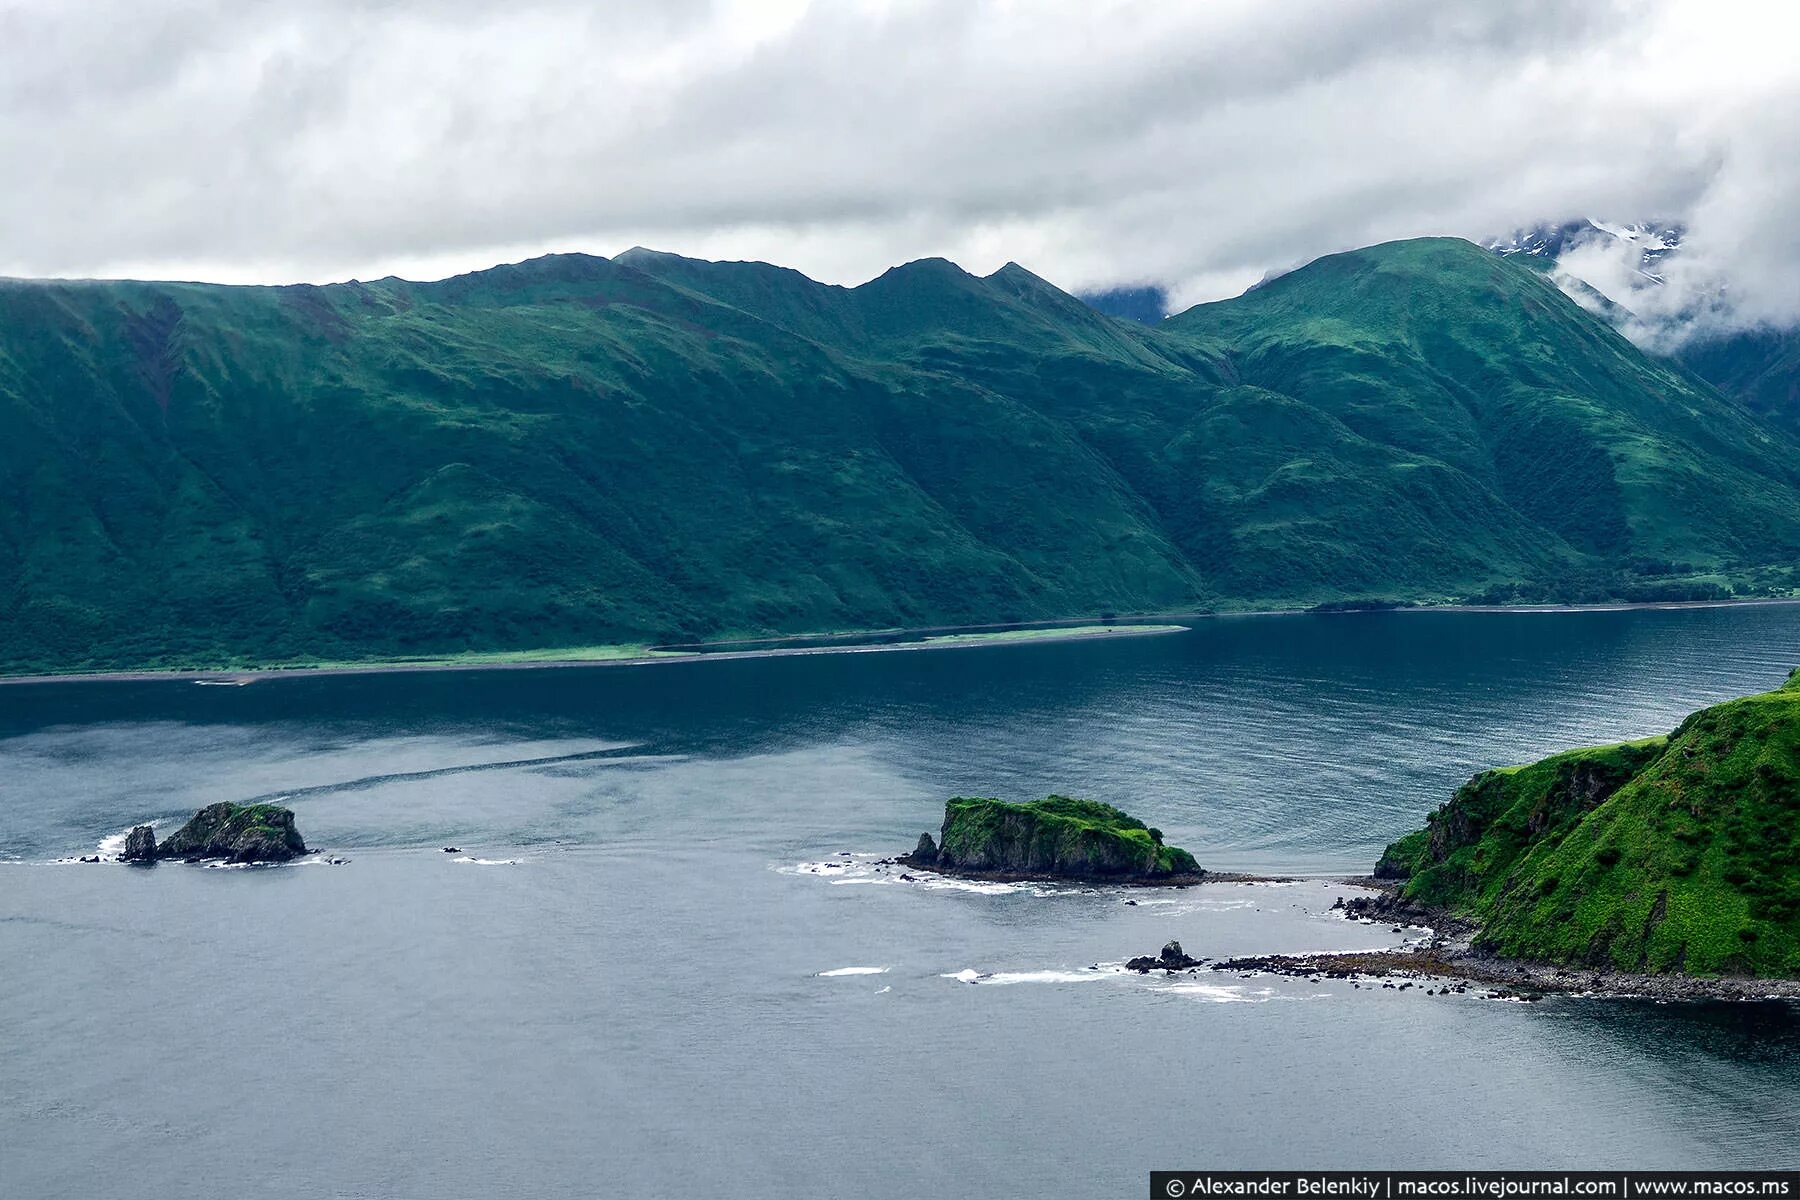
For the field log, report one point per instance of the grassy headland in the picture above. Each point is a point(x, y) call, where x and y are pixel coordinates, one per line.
point(1676, 854)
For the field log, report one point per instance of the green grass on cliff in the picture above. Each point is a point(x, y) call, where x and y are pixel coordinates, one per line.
point(262, 818)
point(224, 820)
point(1060, 829)
point(1676, 854)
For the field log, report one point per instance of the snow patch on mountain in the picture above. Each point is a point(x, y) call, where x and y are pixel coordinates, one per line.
point(1631, 273)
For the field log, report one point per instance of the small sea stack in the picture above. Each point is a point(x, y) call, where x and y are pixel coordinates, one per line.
point(1058, 837)
point(140, 845)
point(239, 833)
point(1173, 958)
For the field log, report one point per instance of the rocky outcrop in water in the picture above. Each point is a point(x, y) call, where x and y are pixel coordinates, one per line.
point(1172, 958)
point(1055, 838)
point(241, 833)
point(140, 845)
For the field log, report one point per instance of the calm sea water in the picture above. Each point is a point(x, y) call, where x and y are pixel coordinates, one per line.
point(631, 982)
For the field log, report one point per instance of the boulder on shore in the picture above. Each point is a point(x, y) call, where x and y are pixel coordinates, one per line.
point(242, 833)
point(140, 845)
point(1058, 837)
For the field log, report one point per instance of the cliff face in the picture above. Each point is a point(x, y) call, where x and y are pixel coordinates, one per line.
point(238, 833)
point(1058, 838)
point(1676, 854)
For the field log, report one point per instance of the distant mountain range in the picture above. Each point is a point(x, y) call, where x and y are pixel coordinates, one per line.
point(576, 450)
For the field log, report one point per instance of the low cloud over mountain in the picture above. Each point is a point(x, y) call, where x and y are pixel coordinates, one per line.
point(1195, 147)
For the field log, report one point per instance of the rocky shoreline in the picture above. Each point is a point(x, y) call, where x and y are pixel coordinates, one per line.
point(910, 863)
point(1111, 881)
point(1455, 964)
point(1448, 958)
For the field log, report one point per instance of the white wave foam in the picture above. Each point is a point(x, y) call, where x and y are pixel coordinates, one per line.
point(815, 868)
point(970, 975)
point(885, 990)
point(838, 865)
point(876, 868)
point(486, 862)
point(1221, 994)
point(981, 887)
point(1043, 977)
point(832, 974)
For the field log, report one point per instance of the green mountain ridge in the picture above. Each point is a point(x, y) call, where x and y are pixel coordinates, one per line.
point(1674, 854)
point(575, 450)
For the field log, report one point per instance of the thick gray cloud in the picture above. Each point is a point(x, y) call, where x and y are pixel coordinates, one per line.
point(1196, 145)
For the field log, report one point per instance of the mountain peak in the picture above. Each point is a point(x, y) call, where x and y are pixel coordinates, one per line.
point(923, 268)
point(570, 267)
point(1012, 270)
point(638, 255)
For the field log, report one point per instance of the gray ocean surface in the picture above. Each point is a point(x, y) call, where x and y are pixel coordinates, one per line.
point(662, 963)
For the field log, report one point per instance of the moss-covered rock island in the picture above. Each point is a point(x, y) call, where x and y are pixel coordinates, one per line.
point(1675, 855)
point(242, 833)
point(1058, 837)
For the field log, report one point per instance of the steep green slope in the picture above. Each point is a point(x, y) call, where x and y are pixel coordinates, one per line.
point(574, 450)
point(1412, 417)
point(1760, 368)
point(564, 453)
point(1479, 363)
point(1677, 854)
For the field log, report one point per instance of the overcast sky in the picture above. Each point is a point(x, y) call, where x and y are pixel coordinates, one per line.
point(1194, 144)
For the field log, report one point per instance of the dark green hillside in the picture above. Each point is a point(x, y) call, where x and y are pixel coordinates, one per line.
point(1460, 358)
point(1674, 854)
point(1760, 367)
point(573, 451)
